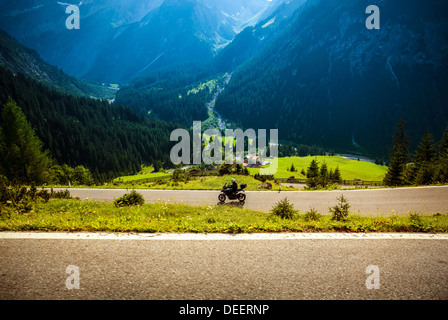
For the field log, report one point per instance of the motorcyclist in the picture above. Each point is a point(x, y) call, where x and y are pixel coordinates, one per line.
point(234, 186)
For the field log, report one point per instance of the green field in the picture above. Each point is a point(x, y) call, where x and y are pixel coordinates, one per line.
point(145, 173)
point(350, 169)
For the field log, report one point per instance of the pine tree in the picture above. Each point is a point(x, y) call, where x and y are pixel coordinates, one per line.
point(423, 168)
point(313, 175)
point(426, 150)
point(337, 174)
point(323, 175)
point(22, 159)
point(442, 159)
point(399, 157)
point(313, 169)
point(292, 169)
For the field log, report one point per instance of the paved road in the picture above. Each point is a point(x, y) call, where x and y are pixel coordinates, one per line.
point(400, 201)
point(224, 267)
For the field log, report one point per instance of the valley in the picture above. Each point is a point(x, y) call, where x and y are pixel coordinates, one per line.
point(119, 122)
point(215, 120)
point(307, 68)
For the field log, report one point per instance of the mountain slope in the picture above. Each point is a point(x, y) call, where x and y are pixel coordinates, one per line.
point(254, 39)
point(158, 93)
point(329, 81)
point(119, 40)
point(111, 140)
point(19, 59)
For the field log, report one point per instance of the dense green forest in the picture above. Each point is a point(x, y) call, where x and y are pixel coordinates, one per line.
point(329, 81)
point(108, 139)
point(172, 94)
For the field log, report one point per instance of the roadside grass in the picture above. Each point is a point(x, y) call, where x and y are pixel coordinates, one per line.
point(194, 183)
point(70, 215)
point(213, 183)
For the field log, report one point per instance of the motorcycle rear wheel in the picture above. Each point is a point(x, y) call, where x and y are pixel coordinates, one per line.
point(242, 197)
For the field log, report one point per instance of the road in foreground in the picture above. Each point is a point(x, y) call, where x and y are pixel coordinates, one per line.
point(224, 267)
point(400, 201)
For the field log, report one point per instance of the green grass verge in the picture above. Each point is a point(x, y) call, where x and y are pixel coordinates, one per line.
point(92, 216)
point(195, 183)
point(213, 183)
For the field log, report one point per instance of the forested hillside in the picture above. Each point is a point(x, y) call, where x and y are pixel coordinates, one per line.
point(178, 95)
point(20, 59)
point(108, 139)
point(328, 80)
point(315, 72)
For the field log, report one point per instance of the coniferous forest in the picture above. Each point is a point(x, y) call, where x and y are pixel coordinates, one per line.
point(108, 139)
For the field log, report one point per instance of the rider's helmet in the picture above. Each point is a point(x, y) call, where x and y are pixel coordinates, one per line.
point(233, 180)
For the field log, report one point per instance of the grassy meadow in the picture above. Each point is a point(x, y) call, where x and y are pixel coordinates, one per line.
point(350, 170)
point(145, 173)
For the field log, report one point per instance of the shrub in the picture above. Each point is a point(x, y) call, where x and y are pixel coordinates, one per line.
point(312, 215)
point(224, 168)
point(417, 223)
point(131, 199)
point(63, 194)
point(284, 209)
point(180, 175)
point(340, 211)
point(22, 199)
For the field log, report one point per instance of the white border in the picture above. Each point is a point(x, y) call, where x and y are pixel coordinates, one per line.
point(217, 236)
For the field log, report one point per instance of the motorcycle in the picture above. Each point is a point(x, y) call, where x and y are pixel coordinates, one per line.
point(227, 192)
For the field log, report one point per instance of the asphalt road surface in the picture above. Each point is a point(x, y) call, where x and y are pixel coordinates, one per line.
point(223, 267)
point(372, 202)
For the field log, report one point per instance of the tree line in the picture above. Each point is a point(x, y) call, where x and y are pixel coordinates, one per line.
point(320, 177)
point(166, 95)
point(428, 164)
point(108, 140)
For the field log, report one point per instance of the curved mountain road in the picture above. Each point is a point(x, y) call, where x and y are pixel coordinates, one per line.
point(371, 202)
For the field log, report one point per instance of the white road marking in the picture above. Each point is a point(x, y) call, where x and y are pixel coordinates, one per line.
point(211, 236)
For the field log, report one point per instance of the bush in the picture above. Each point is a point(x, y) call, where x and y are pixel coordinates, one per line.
point(284, 209)
point(22, 199)
point(417, 223)
point(180, 175)
point(224, 169)
point(312, 215)
point(63, 194)
point(132, 199)
point(263, 177)
point(66, 174)
point(340, 211)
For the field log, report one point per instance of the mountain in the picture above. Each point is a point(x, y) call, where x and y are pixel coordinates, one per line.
point(253, 39)
point(326, 79)
point(310, 68)
point(119, 40)
point(111, 140)
point(20, 59)
point(184, 93)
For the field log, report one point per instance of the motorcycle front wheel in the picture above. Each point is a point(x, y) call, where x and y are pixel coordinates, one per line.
point(222, 197)
point(242, 197)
